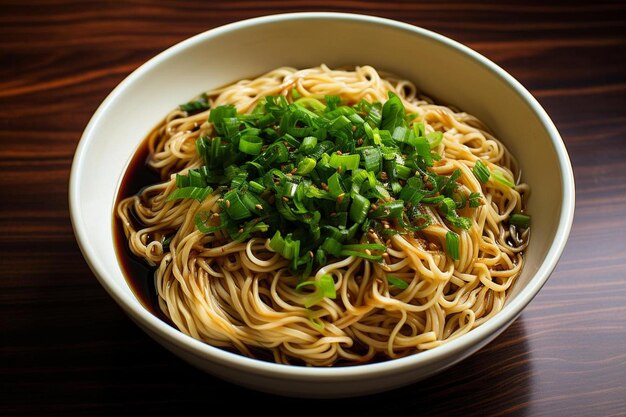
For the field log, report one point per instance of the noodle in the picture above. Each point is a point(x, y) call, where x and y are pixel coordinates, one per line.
point(243, 296)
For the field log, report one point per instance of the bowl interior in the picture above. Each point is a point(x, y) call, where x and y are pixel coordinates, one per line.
point(438, 66)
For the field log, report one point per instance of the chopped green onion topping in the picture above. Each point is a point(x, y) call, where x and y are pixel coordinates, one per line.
point(306, 166)
point(481, 171)
point(251, 145)
point(498, 176)
point(359, 208)
point(520, 220)
point(397, 282)
point(316, 176)
point(434, 138)
point(452, 245)
point(190, 192)
point(195, 106)
point(346, 162)
point(166, 242)
point(308, 144)
point(324, 287)
point(474, 199)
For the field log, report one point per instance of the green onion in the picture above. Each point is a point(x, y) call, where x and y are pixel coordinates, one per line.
point(448, 186)
point(166, 242)
point(334, 185)
point(256, 187)
point(332, 102)
point(346, 162)
point(200, 223)
point(289, 189)
point(359, 208)
point(474, 199)
point(195, 179)
point(316, 175)
point(423, 149)
point(250, 144)
point(393, 113)
point(234, 207)
point(413, 191)
point(306, 165)
point(360, 181)
point(308, 144)
point(452, 245)
point(364, 246)
point(460, 222)
point(520, 220)
point(390, 210)
point(434, 138)
point(332, 246)
point(297, 121)
point(481, 171)
point(403, 172)
point(243, 232)
point(317, 323)
point(310, 102)
point(499, 176)
point(182, 181)
point(397, 282)
point(197, 105)
point(288, 248)
point(372, 158)
point(448, 208)
point(190, 192)
point(419, 129)
point(324, 287)
point(224, 118)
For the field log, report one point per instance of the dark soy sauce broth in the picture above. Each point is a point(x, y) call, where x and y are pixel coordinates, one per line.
point(138, 274)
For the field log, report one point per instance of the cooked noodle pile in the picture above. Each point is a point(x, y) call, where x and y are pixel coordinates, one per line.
point(242, 296)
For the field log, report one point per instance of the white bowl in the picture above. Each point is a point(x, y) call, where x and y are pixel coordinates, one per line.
point(442, 68)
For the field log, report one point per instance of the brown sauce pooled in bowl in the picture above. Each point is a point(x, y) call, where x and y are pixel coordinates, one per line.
point(139, 275)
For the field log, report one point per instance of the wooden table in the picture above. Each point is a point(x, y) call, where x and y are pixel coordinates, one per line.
point(67, 348)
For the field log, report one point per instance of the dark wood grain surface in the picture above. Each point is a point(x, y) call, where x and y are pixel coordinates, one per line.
point(67, 348)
